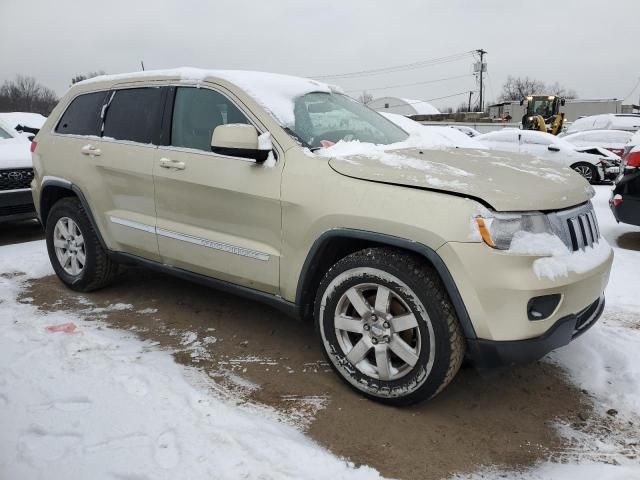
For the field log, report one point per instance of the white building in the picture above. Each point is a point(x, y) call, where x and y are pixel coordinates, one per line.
point(403, 106)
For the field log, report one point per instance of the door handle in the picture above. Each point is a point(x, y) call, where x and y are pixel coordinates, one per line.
point(90, 150)
point(175, 164)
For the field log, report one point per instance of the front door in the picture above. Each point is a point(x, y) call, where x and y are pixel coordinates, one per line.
point(216, 215)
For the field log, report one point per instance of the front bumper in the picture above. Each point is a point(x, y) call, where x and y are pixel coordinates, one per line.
point(16, 205)
point(487, 354)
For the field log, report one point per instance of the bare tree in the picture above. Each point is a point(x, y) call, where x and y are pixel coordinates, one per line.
point(561, 91)
point(84, 76)
point(365, 97)
point(25, 94)
point(516, 88)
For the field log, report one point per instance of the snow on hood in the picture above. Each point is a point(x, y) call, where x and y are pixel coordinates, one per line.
point(509, 182)
point(15, 153)
point(275, 92)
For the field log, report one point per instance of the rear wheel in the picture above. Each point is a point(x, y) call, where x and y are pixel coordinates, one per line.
point(388, 327)
point(588, 171)
point(75, 252)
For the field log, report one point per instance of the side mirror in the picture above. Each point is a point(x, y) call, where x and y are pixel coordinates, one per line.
point(562, 102)
point(238, 140)
point(554, 148)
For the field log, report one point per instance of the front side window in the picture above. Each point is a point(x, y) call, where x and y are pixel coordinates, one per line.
point(82, 117)
point(322, 119)
point(196, 114)
point(134, 114)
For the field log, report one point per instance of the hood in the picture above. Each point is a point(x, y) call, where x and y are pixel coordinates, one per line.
point(15, 153)
point(507, 182)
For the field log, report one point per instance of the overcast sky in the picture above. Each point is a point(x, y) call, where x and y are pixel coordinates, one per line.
point(590, 46)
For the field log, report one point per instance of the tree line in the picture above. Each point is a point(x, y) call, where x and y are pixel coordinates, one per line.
point(26, 94)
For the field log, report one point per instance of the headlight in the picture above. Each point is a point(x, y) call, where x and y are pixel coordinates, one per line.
point(498, 229)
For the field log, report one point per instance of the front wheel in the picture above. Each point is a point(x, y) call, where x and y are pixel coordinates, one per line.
point(75, 252)
point(588, 172)
point(388, 327)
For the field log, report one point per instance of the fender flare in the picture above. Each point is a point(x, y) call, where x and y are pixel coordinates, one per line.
point(67, 185)
point(308, 267)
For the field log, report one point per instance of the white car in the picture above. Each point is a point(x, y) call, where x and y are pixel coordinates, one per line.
point(16, 173)
point(25, 123)
point(612, 140)
point(606, 121)
point(594, 168)
point(445, 136)
point(468, 131)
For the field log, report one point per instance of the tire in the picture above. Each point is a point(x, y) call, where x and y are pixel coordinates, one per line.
point(413, 310)
point(588, 172)
point(94, 269)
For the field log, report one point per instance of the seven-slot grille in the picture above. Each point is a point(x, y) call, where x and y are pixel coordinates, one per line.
point(16, 178)
point(577, 227)
point(583, 230)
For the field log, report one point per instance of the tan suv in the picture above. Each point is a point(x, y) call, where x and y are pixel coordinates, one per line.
point(285, 190)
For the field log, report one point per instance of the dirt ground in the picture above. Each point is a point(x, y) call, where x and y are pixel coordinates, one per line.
point(258, 355)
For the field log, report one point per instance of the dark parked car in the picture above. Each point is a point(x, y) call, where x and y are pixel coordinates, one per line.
point(625, 197)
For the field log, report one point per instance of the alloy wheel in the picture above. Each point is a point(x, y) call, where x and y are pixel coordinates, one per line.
point(69, 246)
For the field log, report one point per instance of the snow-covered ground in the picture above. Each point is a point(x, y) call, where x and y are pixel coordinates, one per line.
point(99, 403)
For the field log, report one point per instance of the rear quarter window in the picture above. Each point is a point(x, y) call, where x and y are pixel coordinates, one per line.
point(82, 116)
point(134, 114)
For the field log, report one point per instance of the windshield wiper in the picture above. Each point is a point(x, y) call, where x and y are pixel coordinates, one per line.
point(297, 137)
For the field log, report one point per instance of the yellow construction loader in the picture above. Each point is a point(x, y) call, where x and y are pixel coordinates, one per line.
point(543, 113)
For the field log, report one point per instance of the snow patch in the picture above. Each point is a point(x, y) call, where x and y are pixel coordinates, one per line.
point(73, 403)
point(560, 264)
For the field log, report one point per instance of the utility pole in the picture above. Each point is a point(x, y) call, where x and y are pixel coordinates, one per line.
point(470, 93)
point(142, 64)
point(482, 53)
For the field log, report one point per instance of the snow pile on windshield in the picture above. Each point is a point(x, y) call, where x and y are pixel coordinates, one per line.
point(275, 92)
point(78, 400)
point(558, 260)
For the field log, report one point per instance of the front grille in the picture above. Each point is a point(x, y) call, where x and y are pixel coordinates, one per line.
point(16, 178)
point(577, 227)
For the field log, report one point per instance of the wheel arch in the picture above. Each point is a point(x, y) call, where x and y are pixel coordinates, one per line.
point(53, 190)
point(335, 244)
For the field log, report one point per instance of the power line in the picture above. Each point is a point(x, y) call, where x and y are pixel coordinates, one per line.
point(632, 90)
point(466, 75)
point(397, 68)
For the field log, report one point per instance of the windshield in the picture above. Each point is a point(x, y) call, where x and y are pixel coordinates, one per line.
point(322, 119)
point(542, 107)
point(4, 134)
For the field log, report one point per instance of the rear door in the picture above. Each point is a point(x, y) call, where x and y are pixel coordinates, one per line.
point(216, 215)
point(123, 163)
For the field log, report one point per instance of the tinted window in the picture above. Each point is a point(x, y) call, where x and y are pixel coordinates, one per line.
point(196, 113)
point(134, 114)
point(82, 117)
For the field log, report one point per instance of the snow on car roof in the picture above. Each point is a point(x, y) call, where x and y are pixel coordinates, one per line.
point(27, 119)
point(274, 91)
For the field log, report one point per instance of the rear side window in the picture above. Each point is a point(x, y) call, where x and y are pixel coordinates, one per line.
point(196, 113)
point(134, 114)
point(82, 117)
